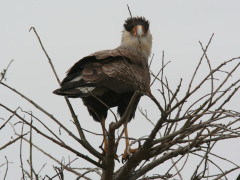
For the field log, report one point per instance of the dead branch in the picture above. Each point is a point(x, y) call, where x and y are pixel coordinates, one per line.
point(189, 125)
point(83, 141)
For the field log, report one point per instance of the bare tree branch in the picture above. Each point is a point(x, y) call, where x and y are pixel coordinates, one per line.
point(83, 141)
point(190, 124)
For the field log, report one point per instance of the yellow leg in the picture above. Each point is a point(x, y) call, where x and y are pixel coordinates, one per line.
point(128, 151)
point(126, 137)
point(104, 136)
point(105, 141)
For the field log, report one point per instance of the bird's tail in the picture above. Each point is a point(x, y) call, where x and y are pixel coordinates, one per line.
point(74, 92)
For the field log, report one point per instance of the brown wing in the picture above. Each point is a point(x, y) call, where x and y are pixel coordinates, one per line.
point(121, 70)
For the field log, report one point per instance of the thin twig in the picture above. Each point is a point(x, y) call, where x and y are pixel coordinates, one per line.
point(6, 171)
point(30, 148)
point(12, 141)
point(20, 153)
point(83, 141)
point(3, 73)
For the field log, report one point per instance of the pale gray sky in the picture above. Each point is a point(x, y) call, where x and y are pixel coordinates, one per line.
point(73, 29)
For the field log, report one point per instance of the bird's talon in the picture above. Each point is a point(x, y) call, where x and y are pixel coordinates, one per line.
point(127, 154)
point(101, 147)
point(116, 158)
point(125, 158)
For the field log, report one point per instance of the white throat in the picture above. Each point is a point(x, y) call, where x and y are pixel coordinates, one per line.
point(142, 44)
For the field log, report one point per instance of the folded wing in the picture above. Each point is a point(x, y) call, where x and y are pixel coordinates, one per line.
point(120, 70)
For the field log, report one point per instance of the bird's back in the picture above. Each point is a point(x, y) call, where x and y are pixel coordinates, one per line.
point(121, 70)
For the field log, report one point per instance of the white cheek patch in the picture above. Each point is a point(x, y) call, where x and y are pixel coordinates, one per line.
point(86, 89)
point(76, 78)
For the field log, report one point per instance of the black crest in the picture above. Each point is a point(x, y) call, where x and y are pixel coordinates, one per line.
point(133, 21)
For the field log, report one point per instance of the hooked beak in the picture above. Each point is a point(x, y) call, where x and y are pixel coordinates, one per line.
point(139, 31)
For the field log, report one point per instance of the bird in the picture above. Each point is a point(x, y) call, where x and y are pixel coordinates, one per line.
point(109, 78)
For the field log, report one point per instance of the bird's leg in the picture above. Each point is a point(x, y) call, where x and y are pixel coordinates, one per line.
point(128, 151)
point(104, 143)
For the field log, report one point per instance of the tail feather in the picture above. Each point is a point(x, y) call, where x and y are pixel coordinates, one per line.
point(74, 92)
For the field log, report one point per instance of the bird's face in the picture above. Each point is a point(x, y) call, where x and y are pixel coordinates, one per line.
point(137, 29)
point(137, 26)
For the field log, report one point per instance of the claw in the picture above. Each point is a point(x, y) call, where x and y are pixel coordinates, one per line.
point(124, 159)
point(101, 147)
point(116, 158)
point(127, 153)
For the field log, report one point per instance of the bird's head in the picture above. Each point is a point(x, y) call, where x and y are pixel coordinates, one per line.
point(136, 34)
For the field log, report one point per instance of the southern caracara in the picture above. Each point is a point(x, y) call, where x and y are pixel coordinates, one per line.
point(109, 78)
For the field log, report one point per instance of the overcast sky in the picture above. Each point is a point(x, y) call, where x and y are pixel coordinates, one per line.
point(73, 29)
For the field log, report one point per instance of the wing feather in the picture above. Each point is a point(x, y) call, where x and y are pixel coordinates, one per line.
point(121, 70)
